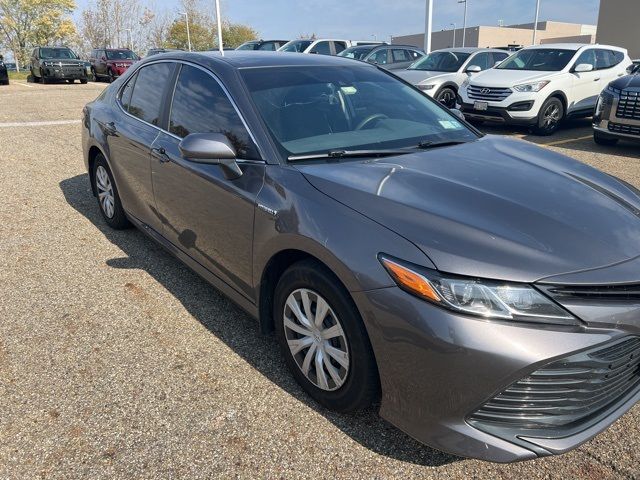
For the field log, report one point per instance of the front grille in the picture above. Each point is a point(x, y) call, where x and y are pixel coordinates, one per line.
point(629, 105)
point(621, 128)
point(595, 292)
point(489, 94)
point(568, 391)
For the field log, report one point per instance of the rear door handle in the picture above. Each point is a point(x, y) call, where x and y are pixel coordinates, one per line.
point(161, 154)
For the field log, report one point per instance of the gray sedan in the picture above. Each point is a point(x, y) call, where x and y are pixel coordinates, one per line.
point(483, 291)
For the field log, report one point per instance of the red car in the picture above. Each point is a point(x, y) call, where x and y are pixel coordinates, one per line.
point(110, 63)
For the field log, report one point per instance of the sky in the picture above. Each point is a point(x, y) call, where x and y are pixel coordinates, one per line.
point(362, 19)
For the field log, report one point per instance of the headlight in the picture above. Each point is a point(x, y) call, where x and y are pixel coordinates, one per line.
point(425, 87)
point(489, 299)
point(599, 105)
point(614, 90)
point(531, 87)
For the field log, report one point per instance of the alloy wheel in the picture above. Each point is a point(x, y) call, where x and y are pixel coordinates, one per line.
point(447, 98)
point(105, 191)
point(316, 339)
point(551, 117)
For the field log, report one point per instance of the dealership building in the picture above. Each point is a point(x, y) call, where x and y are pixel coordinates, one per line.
point(618, 25)
point(502, 36)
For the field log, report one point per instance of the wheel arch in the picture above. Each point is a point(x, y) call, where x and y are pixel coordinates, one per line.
point(92, 155)
point(560, 95)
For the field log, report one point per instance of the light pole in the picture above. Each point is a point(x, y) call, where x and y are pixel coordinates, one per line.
point(464, 22)
point(454, 34)
point(219, 22)
point(428, 25)
point(186, 17)
point(535, 24)
point(128, 30)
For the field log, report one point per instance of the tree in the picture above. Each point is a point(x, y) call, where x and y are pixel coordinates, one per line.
point(235, 34)
point(201, 35)
point(25, 23)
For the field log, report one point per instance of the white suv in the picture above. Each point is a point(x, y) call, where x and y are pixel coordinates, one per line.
point(322, 46)
point(541, 85)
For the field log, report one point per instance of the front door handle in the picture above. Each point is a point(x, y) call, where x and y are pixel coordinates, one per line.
point(161, 154)
point(110, 128)
point(597, 80)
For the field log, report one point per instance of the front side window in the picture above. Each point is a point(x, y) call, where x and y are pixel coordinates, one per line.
point(147, 97)
point(298, 46)
point(355, 52)
point(380, 57)
point(441, 62)
point(201, 106)
point(482, 60)
point(588, 57)
point(50, 52)
point(339, 46)
point(247, 46)
point(539, 59)
point(498, 57)
point(309, 110)
point(270, 46)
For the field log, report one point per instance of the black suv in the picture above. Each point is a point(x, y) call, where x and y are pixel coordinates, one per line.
point(4, 75)
point(268, 45)
point(618, 110)
point(57, 63)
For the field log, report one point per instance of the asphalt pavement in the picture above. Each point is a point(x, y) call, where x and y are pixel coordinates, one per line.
point(116, 361)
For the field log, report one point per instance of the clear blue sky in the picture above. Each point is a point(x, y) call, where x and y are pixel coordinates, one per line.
point(360, 19)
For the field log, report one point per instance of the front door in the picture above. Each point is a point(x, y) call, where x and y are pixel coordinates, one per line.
point(203, 213)
point(586, 85)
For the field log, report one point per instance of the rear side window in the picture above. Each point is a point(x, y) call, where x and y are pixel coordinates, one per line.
point(339, 46)
point(608, 58)
point(148, 92)
point(267, 46)
point(125, 95)
point(413, 55)
point(400, 55)
point(201, 106)
point(323, 48)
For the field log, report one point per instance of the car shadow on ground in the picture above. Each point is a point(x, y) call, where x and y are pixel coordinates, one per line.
point(239, 331)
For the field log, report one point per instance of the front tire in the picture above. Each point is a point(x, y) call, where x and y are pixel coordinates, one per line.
point(447, 97)
point(111, 76)
point(600, 139)
point(107, 194)
point(323, 339)
point(550, 116)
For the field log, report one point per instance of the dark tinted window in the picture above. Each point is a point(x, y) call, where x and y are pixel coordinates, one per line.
point(608, 58)
point(482, 60)
point(539, 59)
point(340, 46)
point(148, 92)
point(379, 57)
point(441, 62)
point(323, 48)
point(201, 106)
point(267, 46)
point(588, 57)
point(498, 57)
point(413, 55)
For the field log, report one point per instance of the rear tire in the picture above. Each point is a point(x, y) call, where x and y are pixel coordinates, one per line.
point(107, 194)
point(111, 76)
point(550, 116)
point(603, 140)
point(337, 343)
point(83, 81)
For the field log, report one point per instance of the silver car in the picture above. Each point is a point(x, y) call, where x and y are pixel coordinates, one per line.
point(441, 73)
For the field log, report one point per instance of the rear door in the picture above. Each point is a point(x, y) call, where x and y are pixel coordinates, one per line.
point(401, 59)
point(206, 215)
point(132, 134)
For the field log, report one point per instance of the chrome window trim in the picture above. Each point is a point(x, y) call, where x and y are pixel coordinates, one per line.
point(211, 74)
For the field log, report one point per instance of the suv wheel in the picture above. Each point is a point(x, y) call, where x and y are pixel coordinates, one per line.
point(601, 139)
point(323, 339)
point(43, 78)
point(550, 116)
point(94, 75)
point(447, 97)
point(112, 77)
point(107, 193)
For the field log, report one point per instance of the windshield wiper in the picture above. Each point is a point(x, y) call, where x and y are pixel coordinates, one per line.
point(348, 154)
point(445, 143)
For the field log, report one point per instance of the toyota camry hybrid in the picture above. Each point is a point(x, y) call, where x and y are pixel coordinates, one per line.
point(483, 291)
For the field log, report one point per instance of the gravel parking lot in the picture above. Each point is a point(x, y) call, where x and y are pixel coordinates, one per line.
point(116, 361)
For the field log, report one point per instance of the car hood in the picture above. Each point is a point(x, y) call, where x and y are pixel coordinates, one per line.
point(507, 78)
point(627, 81)
point(418, 76)
point(63, 60)
point(128, 62)
point(494, 208)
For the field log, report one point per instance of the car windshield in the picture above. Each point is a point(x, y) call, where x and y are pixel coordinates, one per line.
point(57, 53)
point(538, 59)
point(441, 62)
point(320, 109)
point(247, 46)
point(121, 55)
point(356, 52)
point(296, 46)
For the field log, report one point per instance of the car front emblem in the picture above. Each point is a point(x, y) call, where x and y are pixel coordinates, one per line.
point(485, 91)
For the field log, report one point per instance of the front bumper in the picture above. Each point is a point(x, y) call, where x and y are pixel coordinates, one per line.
point(505, 111)
point(438, 368)
point(609, 125)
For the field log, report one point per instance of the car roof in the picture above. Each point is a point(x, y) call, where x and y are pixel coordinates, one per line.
point(468, 49)
point(573, 46)
point(251, 59)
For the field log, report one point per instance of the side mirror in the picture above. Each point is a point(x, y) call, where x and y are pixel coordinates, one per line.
point(458, 113)
point(497, 63)
point(473, 69)
point(583, 68)
point(211, 149)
